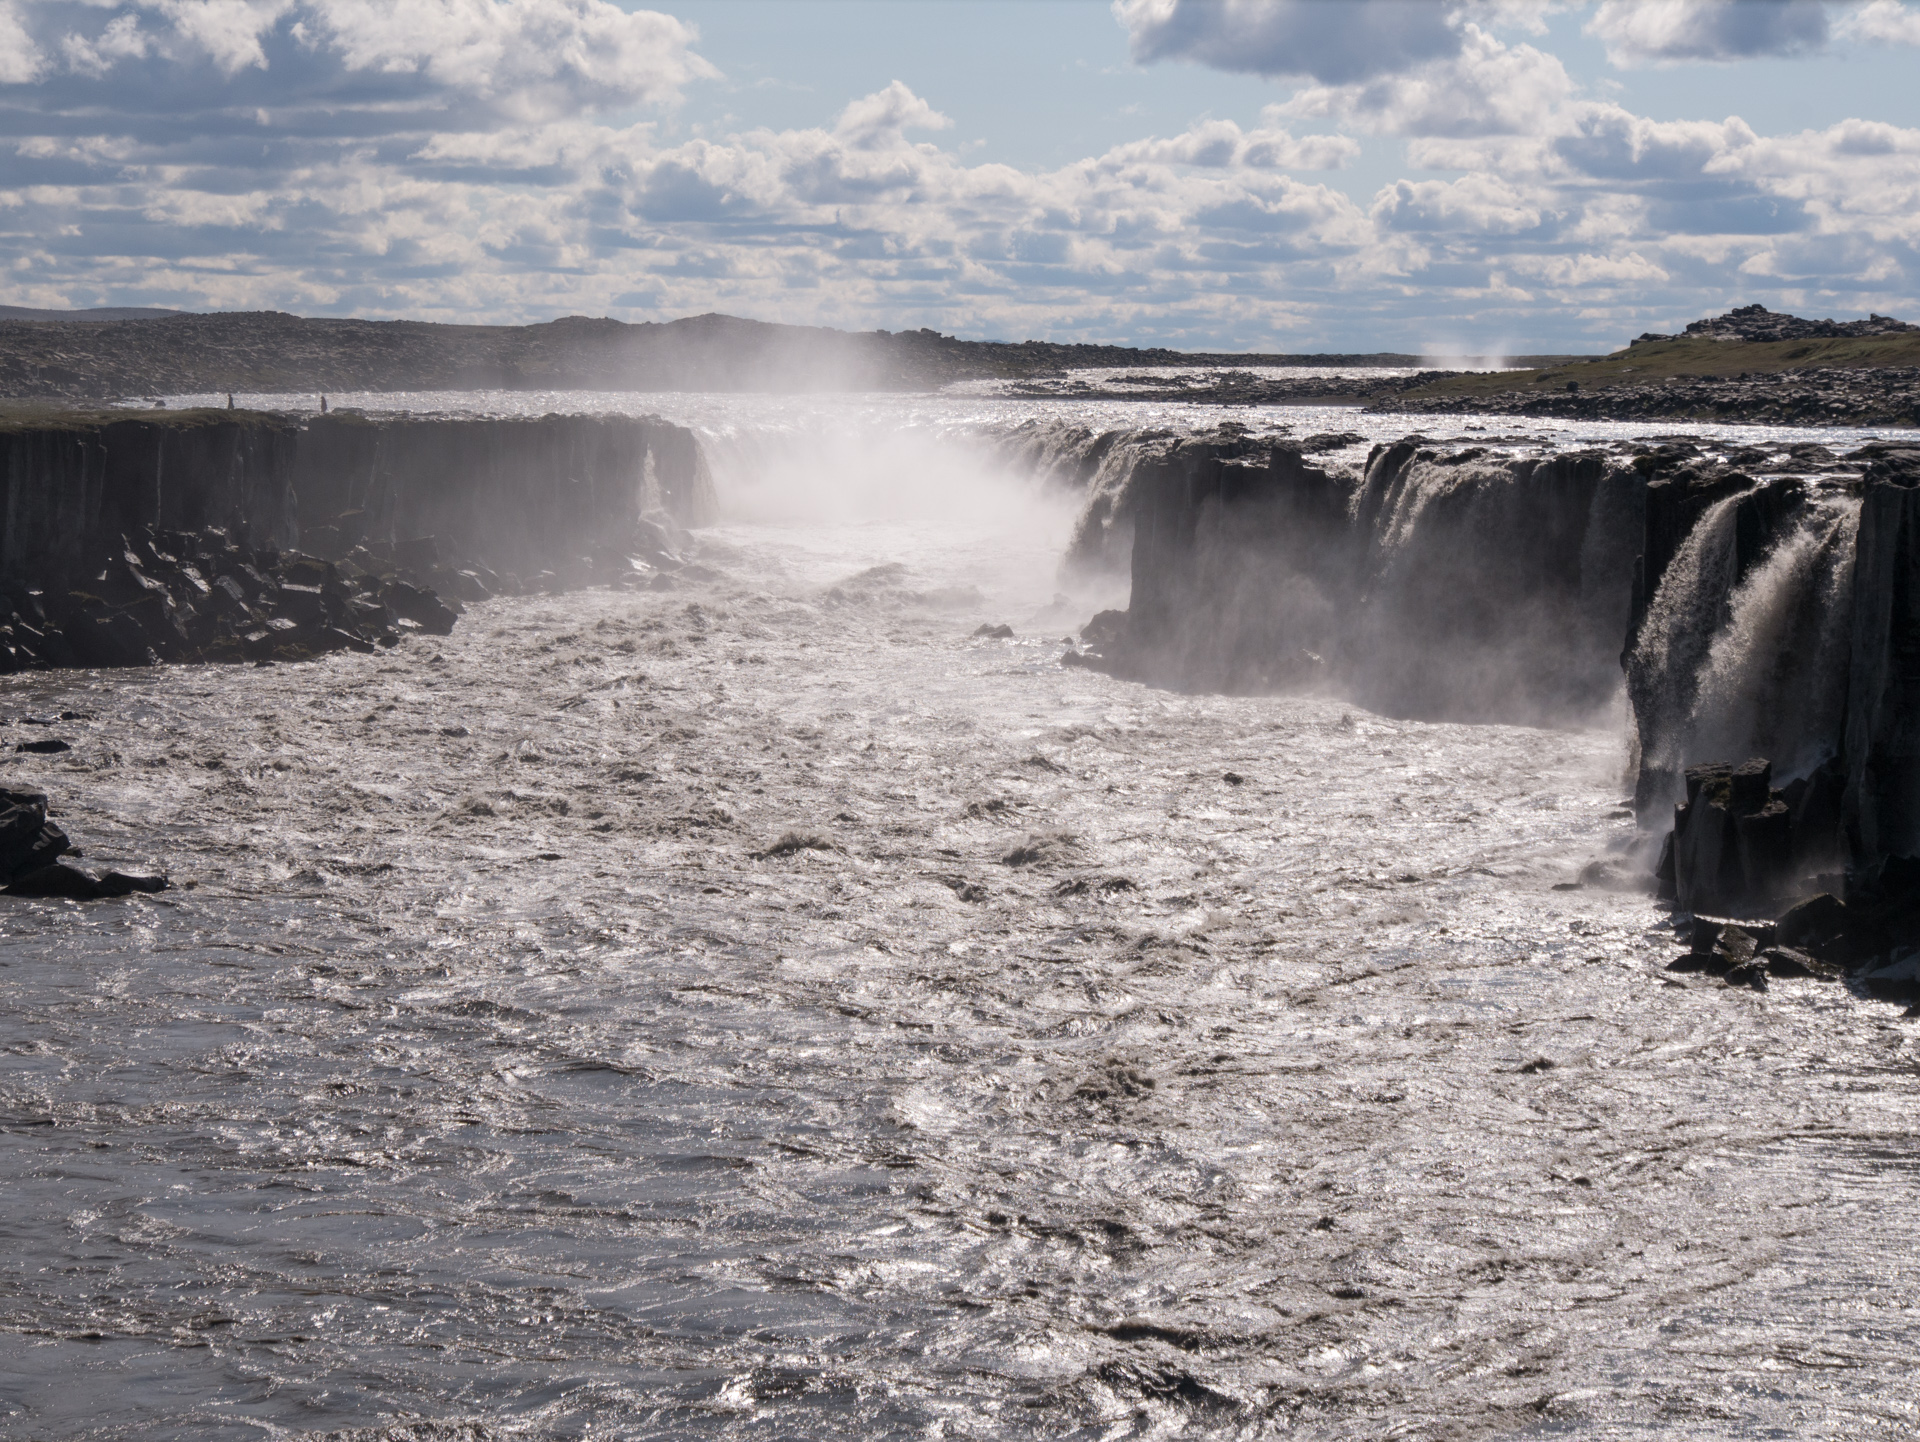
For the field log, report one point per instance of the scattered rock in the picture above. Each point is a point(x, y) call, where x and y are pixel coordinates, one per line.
point(28, 841)
point(63, 881)
point(52, 746)
point(791, 842)
point(1116, 1081)
point(30, 850)
point(1537, 1065)
point(994, 633)
point(1037, 848)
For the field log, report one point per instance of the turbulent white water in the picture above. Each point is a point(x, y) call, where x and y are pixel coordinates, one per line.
point(1091, 1062)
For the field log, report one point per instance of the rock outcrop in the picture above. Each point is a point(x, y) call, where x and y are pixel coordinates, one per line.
point(1835, 396)
point(1757, 323)
point(1443, 584)
point(227, 536)
point(31, 848)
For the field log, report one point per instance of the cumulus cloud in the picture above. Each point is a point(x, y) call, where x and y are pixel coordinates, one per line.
point(1336, 44)
point(1664, 32)
point(1885, 21)
point(1488, 88)
point(514, 159)
point(20, 58)
point(1219, 144)
point(524, 57)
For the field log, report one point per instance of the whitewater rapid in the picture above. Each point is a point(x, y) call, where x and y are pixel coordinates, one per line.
point(766, 1009)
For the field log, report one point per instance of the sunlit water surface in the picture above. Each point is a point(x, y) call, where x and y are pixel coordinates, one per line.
point(1108, 1063)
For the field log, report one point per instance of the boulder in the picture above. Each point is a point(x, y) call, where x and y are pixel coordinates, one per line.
point(55, 880)
point(28, 841)
point(1732, 846)
point(421, 606)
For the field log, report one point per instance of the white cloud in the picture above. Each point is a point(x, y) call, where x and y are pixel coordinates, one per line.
point(123, 39)
point(20, 59)
point(881, 119)
point(1221, 143)
point(546, 54)
point(1476, 204)
point(1887, 21)
point(482, 159)
point(229, 32)
point(1660, 32)
point(1334, 43)
point(1487, 89)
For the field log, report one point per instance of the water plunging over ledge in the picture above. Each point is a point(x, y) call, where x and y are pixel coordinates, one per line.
point(763, 1008)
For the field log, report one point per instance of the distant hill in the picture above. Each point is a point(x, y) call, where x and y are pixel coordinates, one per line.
point(1750, 365)
point(1757, 323)
point(98, 313)
point(84, 357)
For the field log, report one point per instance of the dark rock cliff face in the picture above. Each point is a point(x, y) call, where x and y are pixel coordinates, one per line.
point(518, 495)
point(223, 536)
point(1881, 749)
point(1771, 622)
point(1460, 586)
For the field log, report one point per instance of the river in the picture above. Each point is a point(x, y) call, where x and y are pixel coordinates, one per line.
point(765, 1009)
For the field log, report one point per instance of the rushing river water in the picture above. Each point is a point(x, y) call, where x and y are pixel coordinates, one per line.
point(764, 1010)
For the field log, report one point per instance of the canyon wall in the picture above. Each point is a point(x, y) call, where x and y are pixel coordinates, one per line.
point(1766, 622)
point(1458, 586)
point(217, 535)
point(519, 496)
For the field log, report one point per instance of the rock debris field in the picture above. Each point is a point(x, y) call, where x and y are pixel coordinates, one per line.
point(769, 1009)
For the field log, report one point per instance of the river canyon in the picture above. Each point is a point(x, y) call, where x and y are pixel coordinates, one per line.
point(751, 995)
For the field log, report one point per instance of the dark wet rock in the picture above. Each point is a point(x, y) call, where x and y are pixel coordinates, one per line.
point(1039, 848)
point(421, 606)
point(792, 842)
point(55, 880)
point(28, 840)
point(1116, 1081)
point(1820, 926)
point(1537, 1065)
point(1750, 974)
point(1254, 570)
point(262, 522)
point(1105, 629)
point(50, 746)
point(994, 633)
point(1787, 961)
point(1717, 947)
point(1732, 838)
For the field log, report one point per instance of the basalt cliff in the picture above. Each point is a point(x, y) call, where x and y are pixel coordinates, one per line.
point(221, 535)
point(1763, 606)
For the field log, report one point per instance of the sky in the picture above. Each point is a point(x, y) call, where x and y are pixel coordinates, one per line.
point(1281, 175)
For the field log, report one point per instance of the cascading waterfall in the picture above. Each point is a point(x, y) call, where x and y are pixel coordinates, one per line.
point(1729, 666)
point(1676, 637)
point(1774, 681)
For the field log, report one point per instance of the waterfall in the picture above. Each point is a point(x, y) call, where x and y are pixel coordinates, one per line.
point(1728, 666)
point(1663, 665)
point(1774, 680)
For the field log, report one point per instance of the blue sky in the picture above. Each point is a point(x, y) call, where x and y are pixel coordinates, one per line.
point(1258, 174)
